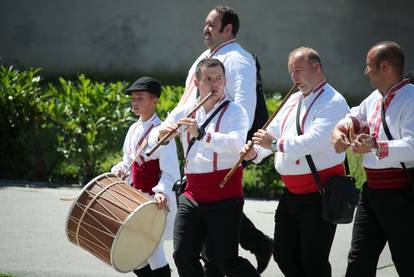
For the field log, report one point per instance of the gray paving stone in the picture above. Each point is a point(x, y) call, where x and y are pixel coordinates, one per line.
point(33, 241)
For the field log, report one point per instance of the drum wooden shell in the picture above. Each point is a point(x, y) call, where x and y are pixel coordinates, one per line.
point(115, 222)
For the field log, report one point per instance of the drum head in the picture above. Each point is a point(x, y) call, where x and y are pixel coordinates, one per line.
point(138, 237)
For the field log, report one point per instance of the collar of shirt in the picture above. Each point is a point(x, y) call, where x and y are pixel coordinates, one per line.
point(201, 113)
point(151, 120)
point(141, 126)
point(315, 90)
point(311, 97)
point(395, 89)
point(215, 50)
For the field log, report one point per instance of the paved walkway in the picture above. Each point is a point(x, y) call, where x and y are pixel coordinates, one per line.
point(33, 241)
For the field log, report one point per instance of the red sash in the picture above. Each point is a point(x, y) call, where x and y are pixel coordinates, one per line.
point(204, 187)
point(305, 183)
point(387, 178)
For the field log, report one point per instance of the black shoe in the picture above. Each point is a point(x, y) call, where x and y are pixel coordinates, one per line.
point(263, 256)
point(164, 271)
point(211, 270)
point(144, 272)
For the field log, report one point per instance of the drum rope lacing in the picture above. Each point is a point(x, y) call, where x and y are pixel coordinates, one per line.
point(86, 208)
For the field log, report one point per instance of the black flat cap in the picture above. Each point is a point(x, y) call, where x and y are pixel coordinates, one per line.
point(149, 84)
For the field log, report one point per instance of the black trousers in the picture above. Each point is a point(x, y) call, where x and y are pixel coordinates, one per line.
point(251, 238)
point(382, 215)
point(219, 222)
point(302, 240)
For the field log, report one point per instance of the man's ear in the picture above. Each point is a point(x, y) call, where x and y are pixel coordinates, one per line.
point(196, 82)
point(316, 66)
point(228, 29)
point(384, 66)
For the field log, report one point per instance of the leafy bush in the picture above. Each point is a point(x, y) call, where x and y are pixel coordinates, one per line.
point(24, 141)
point(170, 96)
point(7, 275)
point(58, 132)
point(89, 119)
point(70, 131)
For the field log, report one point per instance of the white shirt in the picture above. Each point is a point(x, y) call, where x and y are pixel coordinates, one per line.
point(217, 150)
point(400, 119)
point(240, 73)
point(323, 108)
point(168, 162)
point(169, 167)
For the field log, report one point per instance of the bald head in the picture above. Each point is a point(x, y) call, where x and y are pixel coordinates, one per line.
point(305, 69)
point(389, 51)
point(308, 54)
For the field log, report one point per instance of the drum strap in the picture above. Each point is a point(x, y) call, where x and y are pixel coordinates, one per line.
point(141, 141)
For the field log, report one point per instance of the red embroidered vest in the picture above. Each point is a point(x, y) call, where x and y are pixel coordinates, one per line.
point(146, 175)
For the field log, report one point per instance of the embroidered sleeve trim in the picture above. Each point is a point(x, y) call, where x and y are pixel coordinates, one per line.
point(383, 150)
point(281, 145)
point(257, 153)
point(208, 140)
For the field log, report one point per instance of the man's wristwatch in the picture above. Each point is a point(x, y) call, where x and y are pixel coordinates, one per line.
point(273, 145)
point(201, 133)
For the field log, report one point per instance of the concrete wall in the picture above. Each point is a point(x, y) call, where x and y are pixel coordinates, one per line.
point(123, 39)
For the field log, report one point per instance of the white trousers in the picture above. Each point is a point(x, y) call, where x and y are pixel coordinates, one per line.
point(157, 259)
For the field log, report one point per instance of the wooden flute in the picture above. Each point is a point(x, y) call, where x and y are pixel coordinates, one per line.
point(233, 170)
point(168, 135)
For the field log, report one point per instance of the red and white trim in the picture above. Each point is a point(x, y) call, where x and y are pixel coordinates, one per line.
point(215, 155)
point(282, 126)
point(190, 89)
point(302, 124)
point(215, 50)
point(144, 136)
point(383, 150)
point(281, 145)
point(319, 87)
point(375, 120)
point(208, 138)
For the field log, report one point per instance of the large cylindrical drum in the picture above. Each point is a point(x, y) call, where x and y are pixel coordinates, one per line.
point(115, 222)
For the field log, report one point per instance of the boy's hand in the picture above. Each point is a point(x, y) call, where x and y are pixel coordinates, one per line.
point(161, 200)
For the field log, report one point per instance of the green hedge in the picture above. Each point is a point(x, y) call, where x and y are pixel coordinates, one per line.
point(7, 275)
point(58, 132)
point(71, 131)
point(25, 145)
